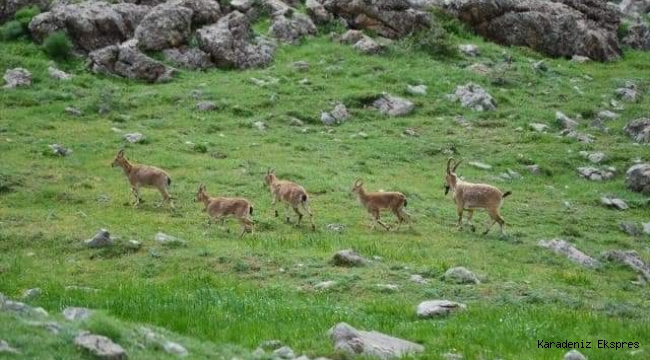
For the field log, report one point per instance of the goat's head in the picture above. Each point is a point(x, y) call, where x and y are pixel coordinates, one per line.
point(119, 159)
point(357, 187)
point(269, 177)
point(451, 178)
point(200, 194)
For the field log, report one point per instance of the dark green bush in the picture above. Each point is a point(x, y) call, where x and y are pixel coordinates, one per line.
point(58, 46)
point(434, 41)
point(25, 15)
point(11, 31)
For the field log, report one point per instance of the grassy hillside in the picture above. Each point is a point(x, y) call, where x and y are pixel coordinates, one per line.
point(220, 289)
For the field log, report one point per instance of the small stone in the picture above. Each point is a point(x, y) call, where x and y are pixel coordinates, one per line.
point(134, 138)
point(416, 89)
point(630, 228)
point(6, 348)
point(410, 132)
point(627, 93)
point(206, 106)
point(340, 113)
point(614, 202)
point(594, 157)
point(607, 115)
point(579, 59)
point(538, 127)
point(418, 279)
point(58, 74)
point(301, 66)
point(296, 122)
point(326, 118)
point(595, 174)
point(540, 66)
point(175, 349)
point(17, 77)
point(167, 239)
point(473, 96)
point(461, 275)
point(452, 356)
point(480, 165)
point(271, 344)
point(560, 246)
point(100, 346)
point(469, 50)
point(574, 355)
point(387, 287)
point(60, 150)
point(393, 105)
point(304, 81)
point(479, 68)
point(134, 244)
point(101, 239)
point(259, 125)
point(73, 111)
point(51, 326)
point(324, 285)
point(564, 121)
point(433, 308)
point(77, 313)
point(335, 227)
point(284, 352)
point(32, 293)
point(348, 258)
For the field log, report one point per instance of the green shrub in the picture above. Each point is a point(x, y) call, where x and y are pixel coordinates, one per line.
point(58, 46)
point(623, 30)
point(11, 30)
point(434, 41)
point(25, 15)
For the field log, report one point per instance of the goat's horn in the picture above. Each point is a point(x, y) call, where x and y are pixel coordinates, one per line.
point(456, 166)
point(448, 164)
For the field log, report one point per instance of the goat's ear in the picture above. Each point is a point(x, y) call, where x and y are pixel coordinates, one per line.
point(456, 166)
point(268, 171)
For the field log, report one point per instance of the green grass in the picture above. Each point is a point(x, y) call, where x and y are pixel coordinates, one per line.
point(220, 289)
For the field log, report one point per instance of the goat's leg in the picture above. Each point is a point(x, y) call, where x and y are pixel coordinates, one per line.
point(295, 209)
point(400, 219)
point(246, 223)
point(378, 221)
point(496, 218)
point(460, 218)
point(275, 210)
point(305, 205)
point(136, 193)
point(406, 217)
point(286, 213)
point(470, 213)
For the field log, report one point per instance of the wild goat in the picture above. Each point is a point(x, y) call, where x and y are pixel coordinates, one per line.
point(469, 196)
point(219, 208)
point(291, 194)
point(144, 176)
point(374, 202)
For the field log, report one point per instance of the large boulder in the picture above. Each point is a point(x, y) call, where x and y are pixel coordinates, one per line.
point(638, 37)
point(389, 18)
point(317, 12)
point(189, 58)
point(166, 26)
point(370, 343)
point(231, 43)
point(291, 28)
point(634, 8)
point(637, 178)
point(126, 61)
point(204, 12)
point(554, 27)
point(638, 130)
point(8, 8)
point(90, 25)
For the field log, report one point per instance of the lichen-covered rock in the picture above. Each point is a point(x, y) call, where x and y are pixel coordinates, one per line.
point(125, 61)
point(189, 58)
point(638, 37)
point(8, 8)
point(291, 29)
point(166, 26)
point(639, 130)
point(370, 343)
point(637, 178)
point(17, 77)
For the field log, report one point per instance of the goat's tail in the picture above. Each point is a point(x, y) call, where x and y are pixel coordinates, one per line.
point(169, 181)
point(304, 197)
point(405, 202)
point(506, 194)
point(250, 210)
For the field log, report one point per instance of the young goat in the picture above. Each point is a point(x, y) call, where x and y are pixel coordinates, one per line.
point(144, 176)
point(374, 202)
point(469, 196)
point(219, 208)
point(291, 194)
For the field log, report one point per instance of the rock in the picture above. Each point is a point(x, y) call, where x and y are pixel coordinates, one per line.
point(271, 344)
point(188, 58)
point(242, 5)
point(630, 228)
point(317, 12)
point(393, 105)
point(259, 125)
point(295, 122)
point(301, 66)
point(637, 178)
point(17, 77)
point(101, 239)
point(125, 61)
point(173, 348)
point(479, 68)
point(291, 29)
point(204, 12)
point(167, 239)
point(538, 127)
point(340, 113)
point(9, 8)
point(21, 308)
point(480, 165)
point(393, 19)
point(284, 352)
point(370, 343)
point(638, 37)
point(564, 121)
point(634, 8)
point(134, 138)
point(324, 285)
point(134, 244)
point(582, 137)
point(327, 119)
point(58, 74)
point(368, 46)
point(595, 174)
point(560, 28)
point(6, 348)
point(578, 59)
point(351, 36)
point(206, 106)
point(574, 355)
point(614, 202)
point(434, 308)
point(469, 50)
point(418, 279)
point(348, 258)
point(461, 275)
point(630, 258)
point(100, 346)
point(562, 247)
point(60, 150)
point(77, 313)
point(411, 132)
point(73, 111)
point(607, 115)
point(231, 43)
point(335, 227)
point(639, 130)
point(165, 26)
point(32, 293)
point(90, 25)
point(534, 169)
point(387, 287)
point(474, 97)
point(595, 157)
point(540, 66)
point(51, 326)
point(416, 89)
point(627, 93)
